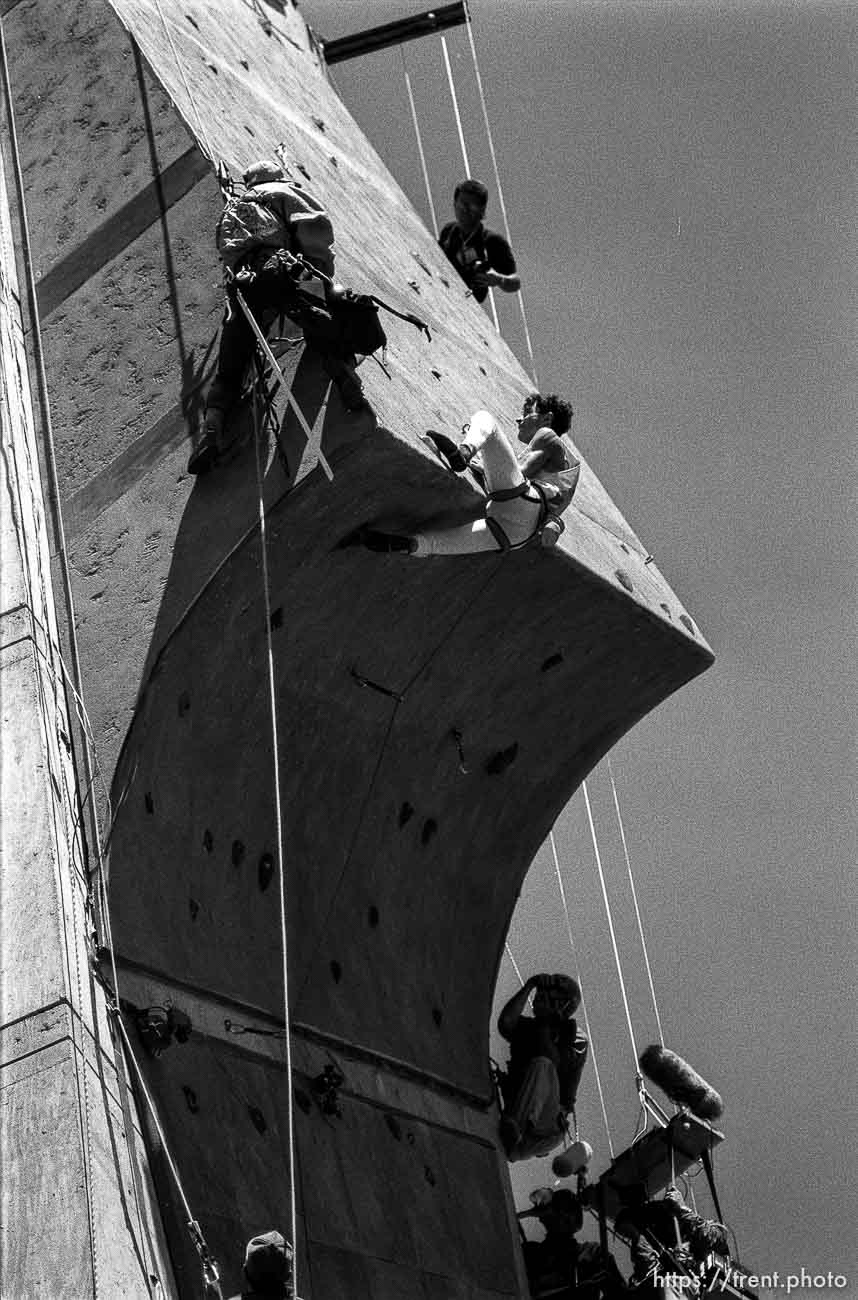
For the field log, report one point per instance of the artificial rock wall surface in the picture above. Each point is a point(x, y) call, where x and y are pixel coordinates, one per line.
point(434, 716)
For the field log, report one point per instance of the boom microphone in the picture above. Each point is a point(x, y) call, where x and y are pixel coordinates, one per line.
point(680, 1083)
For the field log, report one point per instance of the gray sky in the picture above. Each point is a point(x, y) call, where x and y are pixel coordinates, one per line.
point(682, 188)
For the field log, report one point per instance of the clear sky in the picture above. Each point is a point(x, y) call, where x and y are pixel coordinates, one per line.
point(682, 187)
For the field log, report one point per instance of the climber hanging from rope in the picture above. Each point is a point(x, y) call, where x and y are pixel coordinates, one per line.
point(525, 496)
point(482, 257)
point(547, 1056)
point(268, 237)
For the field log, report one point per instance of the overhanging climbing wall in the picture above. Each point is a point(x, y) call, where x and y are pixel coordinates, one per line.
point(434, 716)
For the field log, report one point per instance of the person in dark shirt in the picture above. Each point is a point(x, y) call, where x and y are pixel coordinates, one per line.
point(559, 1265)
point(483, 258)
point(547, 1056)
point(654, 1226)
point(268, 1269)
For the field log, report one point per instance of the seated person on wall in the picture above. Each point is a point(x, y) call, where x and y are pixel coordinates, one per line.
point(560, 1265)
point(547, 1056)
point(526, 493)
point(664, 1232)
point(258, 233)
point(268, 1269)
point(483, 258)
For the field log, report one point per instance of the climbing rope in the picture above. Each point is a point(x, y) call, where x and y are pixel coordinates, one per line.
point(206, 147)
point(278, 813)
point(610, 918)
point(420, 150)
point(479, 81)
point(513, 962)
point(635, 900)
point(211, 1272)
point(467, 165)
point(455, 100)
point(587, 1026)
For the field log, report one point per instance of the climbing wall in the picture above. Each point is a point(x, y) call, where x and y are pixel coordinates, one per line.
point(434, 716)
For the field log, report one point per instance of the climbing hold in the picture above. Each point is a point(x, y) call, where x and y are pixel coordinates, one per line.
point(184, 703)
point(372, 916)
point(149, 802)
point(336, 971)
point(244, 64)
point(430, 826)
point(429, 1176)
point(436, 373)
point(326, 1087)
point(406, 812)
point(666, 609)
point(683, 618)
point(437, 1016)
point(237, 853)
point(192, 21)
point(304, 1100)
point(395, 1127)
point(265, 871)
point(318, 122)
point(277, 616)
point(552, 661)
point(191, 1099)
point(193, 908)
point(624, 579)
point(208, 841)
point(459, 741)
point(500, 761)
point(257, 1119)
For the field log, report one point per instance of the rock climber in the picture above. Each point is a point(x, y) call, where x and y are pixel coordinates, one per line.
point(547, 1056)
point(259, 235)
point(525, 494)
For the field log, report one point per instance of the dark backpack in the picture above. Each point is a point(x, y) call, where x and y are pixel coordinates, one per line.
point(359, 329)
point(247, 223)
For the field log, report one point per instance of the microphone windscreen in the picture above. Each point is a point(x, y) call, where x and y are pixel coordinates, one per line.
point(680, 1083)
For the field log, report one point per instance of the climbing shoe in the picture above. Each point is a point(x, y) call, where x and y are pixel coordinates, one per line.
point(454, 456)
point(389, 543)
point(510, 1133)
point(382, 543)
point(347, 383)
